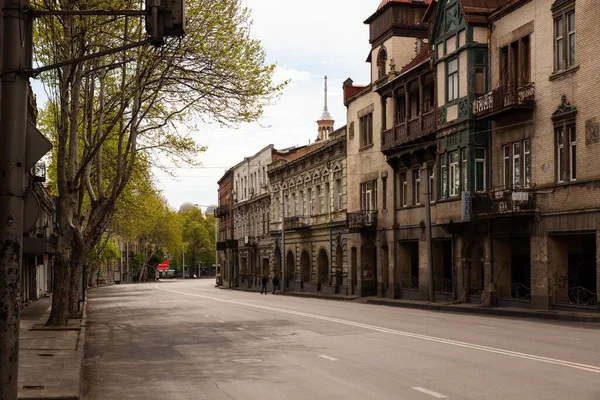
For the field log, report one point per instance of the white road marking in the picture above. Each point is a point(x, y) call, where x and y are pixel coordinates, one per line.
point(328, 358)
point(221, 321)
point(241, 329)
point(430, 392)
point(570, 338)
point(207, 316)
point(488, 349)
point(485, 327)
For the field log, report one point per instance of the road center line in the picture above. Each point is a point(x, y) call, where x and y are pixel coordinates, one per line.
point(430, 392)
point(570, 338)
point(328, 358)
point(488, 349)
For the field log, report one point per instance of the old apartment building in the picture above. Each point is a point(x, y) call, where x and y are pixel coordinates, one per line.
point(309, 211)
point(251, 209)
point(226, 245)
point(486, 103)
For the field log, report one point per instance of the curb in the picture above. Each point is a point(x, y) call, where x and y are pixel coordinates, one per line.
point(81, 346)
point(497, 312)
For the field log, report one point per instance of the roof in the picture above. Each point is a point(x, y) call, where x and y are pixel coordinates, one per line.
point(385, 2)
point(421, 58)
point(326, 116)
point(477, 10)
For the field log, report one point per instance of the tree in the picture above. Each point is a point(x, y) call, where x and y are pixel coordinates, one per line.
point(108, 113)
point(199, 235)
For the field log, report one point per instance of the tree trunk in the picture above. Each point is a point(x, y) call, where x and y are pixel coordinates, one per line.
point(59, 316)
point(92, 273)
point(77, 267)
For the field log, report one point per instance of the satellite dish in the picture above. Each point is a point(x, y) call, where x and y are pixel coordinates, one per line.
point(31, 211)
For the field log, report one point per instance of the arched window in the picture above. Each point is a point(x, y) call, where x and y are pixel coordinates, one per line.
point(381, 61)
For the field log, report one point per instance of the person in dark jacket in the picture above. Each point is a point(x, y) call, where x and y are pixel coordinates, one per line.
point(275, 284)
point(265, 281)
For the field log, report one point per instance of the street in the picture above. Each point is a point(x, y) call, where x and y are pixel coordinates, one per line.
point(190, 340)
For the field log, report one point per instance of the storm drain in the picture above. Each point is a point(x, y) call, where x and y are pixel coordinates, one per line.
point(283, 333)
point(248, 360)
point(45, 354)
point(33, 387)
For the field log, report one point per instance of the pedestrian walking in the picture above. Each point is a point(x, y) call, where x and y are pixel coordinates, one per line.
point(275, 284)
point(265, 281)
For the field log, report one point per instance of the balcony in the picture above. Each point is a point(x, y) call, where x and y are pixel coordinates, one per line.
point(406, 132)
point(361, 220)
point(502, 201)
point(221, 212)
point(297, 222)
point(503, 99)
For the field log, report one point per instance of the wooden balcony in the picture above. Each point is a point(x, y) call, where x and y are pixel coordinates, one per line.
point(504, 99)
point(406, 132)
point(361, 220)
point(498, 202)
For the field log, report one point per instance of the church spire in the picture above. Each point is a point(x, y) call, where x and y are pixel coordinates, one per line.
point(326, 121)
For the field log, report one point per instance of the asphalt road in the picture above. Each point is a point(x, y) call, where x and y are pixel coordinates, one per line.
point(190, 340)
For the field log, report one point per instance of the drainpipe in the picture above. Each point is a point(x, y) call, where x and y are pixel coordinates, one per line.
point(395, 226)
point(330, 234)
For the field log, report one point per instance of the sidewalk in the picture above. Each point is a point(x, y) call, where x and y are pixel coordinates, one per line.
point(50, 361)
point(298, 294)
point(567, 316)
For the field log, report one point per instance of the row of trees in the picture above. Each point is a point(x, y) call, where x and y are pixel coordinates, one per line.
point(112, 118)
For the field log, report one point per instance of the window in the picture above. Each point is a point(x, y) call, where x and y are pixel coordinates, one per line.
point(294, 205)
point(368, 199)
point(480, 169)
point(431, 182)
point(327, 200)
point(366, 130)
point(480, 73)
point(444, 174)
point(517, 164)
point(452, 79)
point(381, 61)
point(384, 195)
point(319, 202)
point(338, 194)
point(454, 174)
point(309, 205)
point(301, 209)
point(516, 170)
point(404, 189)
point(572, 152)
point(564, 37)
point(515, 63)
point(416, 186)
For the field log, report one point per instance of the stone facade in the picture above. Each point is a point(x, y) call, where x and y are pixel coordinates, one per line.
point(251, 206)
point(226, 245)
point(308, 187)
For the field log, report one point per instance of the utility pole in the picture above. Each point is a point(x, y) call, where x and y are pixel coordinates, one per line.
point(13, 127)
point(428, 230)
point(216, 251)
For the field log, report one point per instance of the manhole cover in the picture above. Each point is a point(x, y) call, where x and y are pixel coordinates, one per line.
point(248, 360)
point(283, 333)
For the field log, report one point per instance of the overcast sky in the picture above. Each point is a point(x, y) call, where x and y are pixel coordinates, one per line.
point(307, 40)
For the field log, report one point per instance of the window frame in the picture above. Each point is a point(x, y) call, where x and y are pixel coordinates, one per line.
point(480, 161)
point(384, 192)
point(564, 37)
point(366, 130)
point(453, 172)
point(403, 189)
point(454, 78)
point(416, 181)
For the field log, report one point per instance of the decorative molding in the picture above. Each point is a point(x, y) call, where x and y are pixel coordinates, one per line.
point(463, 109)
point(564, 110)
point(592, 131)
point(442, 116)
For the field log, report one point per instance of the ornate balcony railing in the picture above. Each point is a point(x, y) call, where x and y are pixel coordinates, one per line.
point(408, 131)
point(501, 201)
point(362, 219)
point(581, 296)
point(221, 211)
point(505, 98)
point(297, 222)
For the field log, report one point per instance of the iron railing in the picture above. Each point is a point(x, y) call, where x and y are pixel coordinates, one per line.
point(296, 222)
point(504, 98)
point(362, 219)
point(500, 201)
point(581, 296)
